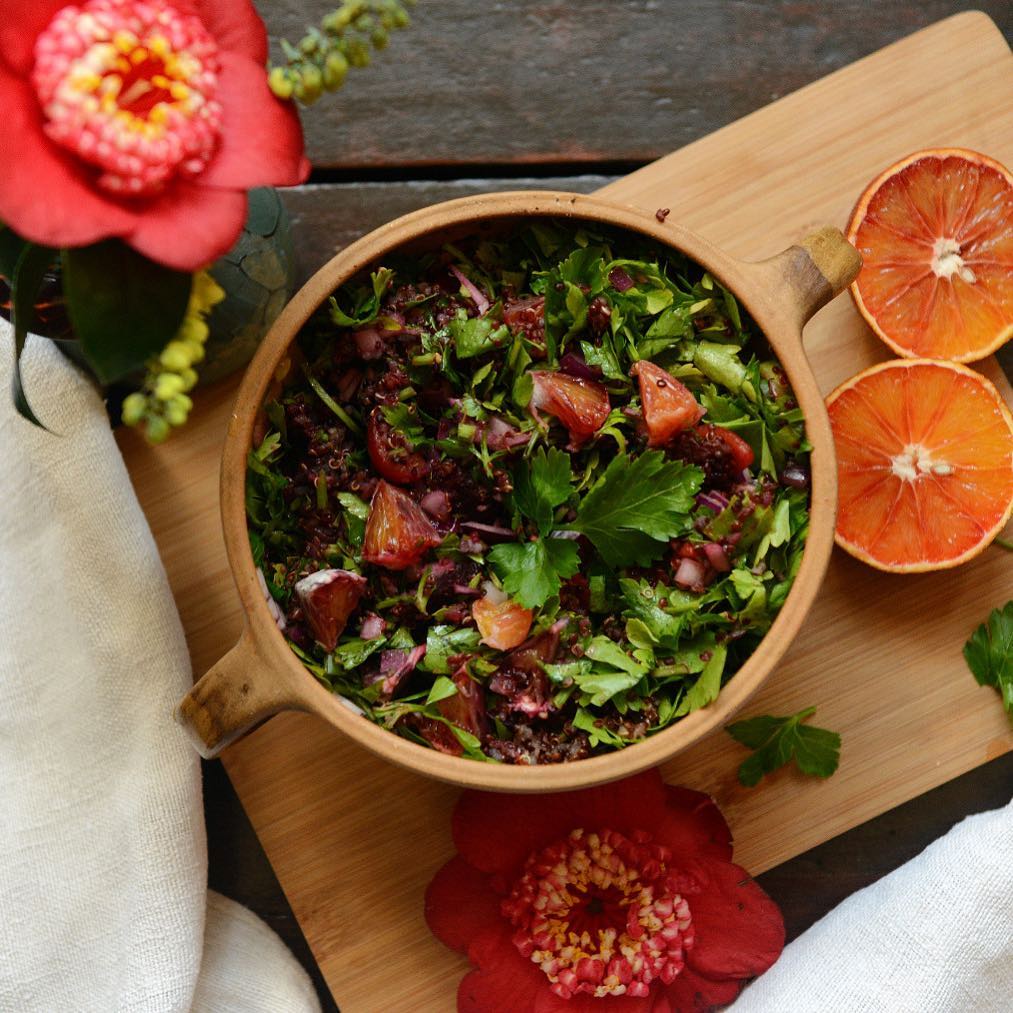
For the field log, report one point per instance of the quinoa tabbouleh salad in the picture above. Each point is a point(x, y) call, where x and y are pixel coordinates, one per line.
point(530, 498)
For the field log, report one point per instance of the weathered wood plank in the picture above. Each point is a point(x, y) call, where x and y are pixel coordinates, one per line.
point(586, 80)
point(327, 217)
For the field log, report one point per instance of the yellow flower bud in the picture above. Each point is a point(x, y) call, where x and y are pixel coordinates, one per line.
point(177, 409)
point(176, 356)
point(189, 378)
point(280, 83)
point(193, 329)
point(168, 385)
point(135, 407)
point(335, 70)
point(195, 350)
point(157, 429)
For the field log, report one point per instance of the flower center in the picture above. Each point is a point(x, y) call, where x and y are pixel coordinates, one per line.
point(600, 913)
point(129, 87)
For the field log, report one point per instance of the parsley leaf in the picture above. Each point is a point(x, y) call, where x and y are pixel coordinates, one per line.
point(636, 506)
point(475, 335)
point(778, 740)
point(542, 484)
point(531, 572)
point(614, 671)
point(707, 686)
point(989, 654)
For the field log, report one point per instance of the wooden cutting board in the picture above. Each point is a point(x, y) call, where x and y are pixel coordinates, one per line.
point(355, 841)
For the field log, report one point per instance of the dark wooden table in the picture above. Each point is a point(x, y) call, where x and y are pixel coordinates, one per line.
point(569, 94)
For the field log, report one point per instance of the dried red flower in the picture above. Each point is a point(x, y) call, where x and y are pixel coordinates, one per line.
point(618, 899)
point(147, 121)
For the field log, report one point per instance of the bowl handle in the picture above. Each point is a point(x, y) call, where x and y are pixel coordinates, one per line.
point(232, 697)
point(811, 273)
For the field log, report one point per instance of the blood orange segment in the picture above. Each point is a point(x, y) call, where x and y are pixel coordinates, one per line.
point(924, 464)
point(935, 232)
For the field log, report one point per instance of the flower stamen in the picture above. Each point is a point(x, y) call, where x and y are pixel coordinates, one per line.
point(600, 914)
point(129, 88)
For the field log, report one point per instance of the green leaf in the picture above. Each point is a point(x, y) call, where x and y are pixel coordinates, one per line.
point(29, 270)
point(598, 736)
point(443, 642)
point(542, 484)
point(603, 683)
point(124, 307)
point(989, 654)
point(356, 514)
point(636, 506)
point(608, 652)
point(474, 335)
point(776, 740)
point(441, 689)
point(531, 572)
point(663, 629)
point(707, 686)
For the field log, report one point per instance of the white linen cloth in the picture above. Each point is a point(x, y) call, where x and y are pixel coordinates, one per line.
point(934, 936)
point(103, 860)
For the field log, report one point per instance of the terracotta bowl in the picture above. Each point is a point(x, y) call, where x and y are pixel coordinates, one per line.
point(261, 676)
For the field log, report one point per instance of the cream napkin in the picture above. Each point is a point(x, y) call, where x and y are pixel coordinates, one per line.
point(934, 936)
point(102, 847)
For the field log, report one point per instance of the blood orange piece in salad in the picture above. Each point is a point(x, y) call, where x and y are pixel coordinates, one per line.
point(562, 477)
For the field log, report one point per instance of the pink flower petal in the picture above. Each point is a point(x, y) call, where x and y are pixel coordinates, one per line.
point(236, 26)
point(261, 142)
point(20, 26)
point(505, 983)
point(189, 226)
point(45, 195)
point(549, 1002)
point(460, 905)
point(693, 826)
point(695, 993)
point(738, 929)
point(495, 833)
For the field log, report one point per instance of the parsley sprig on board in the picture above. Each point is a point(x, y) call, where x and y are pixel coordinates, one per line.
point(989, 654)
point(778, 741)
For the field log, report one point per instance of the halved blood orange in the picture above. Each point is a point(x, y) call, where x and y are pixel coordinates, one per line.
point(935, 232)
point(924, 464)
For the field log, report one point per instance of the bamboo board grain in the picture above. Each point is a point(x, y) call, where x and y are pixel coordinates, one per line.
point(354, 841)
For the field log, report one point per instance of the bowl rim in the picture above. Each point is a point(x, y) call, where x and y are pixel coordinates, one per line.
point(777, 316)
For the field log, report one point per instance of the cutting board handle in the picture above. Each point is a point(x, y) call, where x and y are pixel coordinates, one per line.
point(232, 697)
point(812, 272)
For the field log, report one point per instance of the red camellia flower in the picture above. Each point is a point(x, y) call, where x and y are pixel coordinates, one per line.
point(618, 899)
point(146, 120)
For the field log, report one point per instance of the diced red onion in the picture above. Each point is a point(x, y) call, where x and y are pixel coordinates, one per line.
point(795, 476)
point(713, 499)
point(467, 591)
point(500, 435)
point(717, 557)
point(369, 342)
point(620, 280)
point(395, 665)
point(480, 300)
point(436, 504)
point(489, 529)
point(471, 546)
point(495, 595)
point(348, 384)
point(372, 627)
point(689, 574)
point(576, 366)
